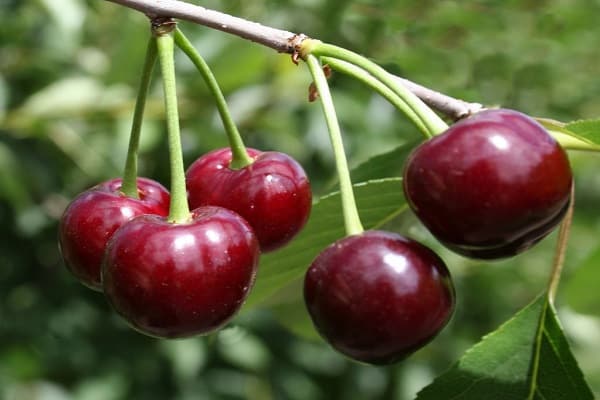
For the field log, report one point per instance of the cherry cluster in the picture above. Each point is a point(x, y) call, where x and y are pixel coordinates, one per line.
point(179, 279)
point(489, 187)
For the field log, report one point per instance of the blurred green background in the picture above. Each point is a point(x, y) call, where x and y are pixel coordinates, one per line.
point(68, 75)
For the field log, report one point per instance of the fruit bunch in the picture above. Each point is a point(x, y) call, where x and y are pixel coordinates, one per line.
point(182, 263)
point(490, 186)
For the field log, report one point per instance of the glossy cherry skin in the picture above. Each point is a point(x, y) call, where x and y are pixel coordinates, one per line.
point(94, 215)
point(175, 280)
point(273, 193)
point(491, 186)
point(377, 297)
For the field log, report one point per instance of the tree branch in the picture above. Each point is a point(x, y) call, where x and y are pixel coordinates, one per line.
point(279, 40)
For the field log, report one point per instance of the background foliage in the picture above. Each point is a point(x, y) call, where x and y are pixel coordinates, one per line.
point(68, 74)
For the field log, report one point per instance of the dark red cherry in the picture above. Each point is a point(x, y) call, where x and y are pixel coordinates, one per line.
point(377, 297)
point(491, 186)
point(175, 280)
point(273, 193)
point(94, 215)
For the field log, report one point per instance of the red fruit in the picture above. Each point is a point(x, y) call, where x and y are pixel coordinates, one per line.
point(175, 280)
point(377, 297)
point(491, 186)
point(273, 193)
point(94, 215)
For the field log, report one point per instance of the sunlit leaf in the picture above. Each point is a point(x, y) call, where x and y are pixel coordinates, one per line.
point(588, 129)
point(578, 135)
point(526, 358)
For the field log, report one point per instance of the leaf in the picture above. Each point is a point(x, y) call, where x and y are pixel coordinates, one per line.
point(557, 375)
point(73, 96)
point(378, 201)
point(578, 135)
point(293, 315)
point(528, 357)
point(581, 290)
point(588, 129)
point(384, 165)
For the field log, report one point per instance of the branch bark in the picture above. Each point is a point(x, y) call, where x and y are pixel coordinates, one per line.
point(280, 40)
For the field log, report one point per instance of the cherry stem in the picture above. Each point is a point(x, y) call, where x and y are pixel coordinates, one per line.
point(240, 157)
point(351, 218)
point(375, 84)
point(425, 115)
point(129, 183)
point(179, 211)
point(561, 249)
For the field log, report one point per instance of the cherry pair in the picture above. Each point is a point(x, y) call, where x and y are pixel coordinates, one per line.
point(165, 279)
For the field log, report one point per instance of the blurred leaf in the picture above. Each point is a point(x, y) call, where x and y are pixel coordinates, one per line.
point(378, 201)
point(37, 390)
point(3, 97)
point(66, 96)
point(581, 290)
point(68, 15)
point(105, 387)
point(528, 357)
point(73, 96)
point(188, 356)
point(242, 349)
point(11, 179)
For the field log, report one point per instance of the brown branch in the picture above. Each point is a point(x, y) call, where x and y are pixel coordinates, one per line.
point(279, 40)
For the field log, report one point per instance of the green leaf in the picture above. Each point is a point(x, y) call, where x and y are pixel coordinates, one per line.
point(528, 357)
point(293, 315)
point(588, 129)
point(578, 135)
point(378, 201)
point(384, 165)
point(581, 289)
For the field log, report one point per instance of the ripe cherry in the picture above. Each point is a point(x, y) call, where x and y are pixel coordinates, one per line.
point(175, 280)
point(377, 296)
point(273, 193)
point(94, 215)
point(491, 186)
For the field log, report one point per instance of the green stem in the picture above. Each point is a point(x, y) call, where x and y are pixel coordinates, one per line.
point(351, 217)
point(561, 249)
point(129, 184)
point(375, 84)
point(435, 125)
point(179, 211)
point(240, 157)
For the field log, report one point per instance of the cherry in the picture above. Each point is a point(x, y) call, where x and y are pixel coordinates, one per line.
point(175, 280)
point(94, 215)
point(273, 193)
point(377, 297)
point(491, 186)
